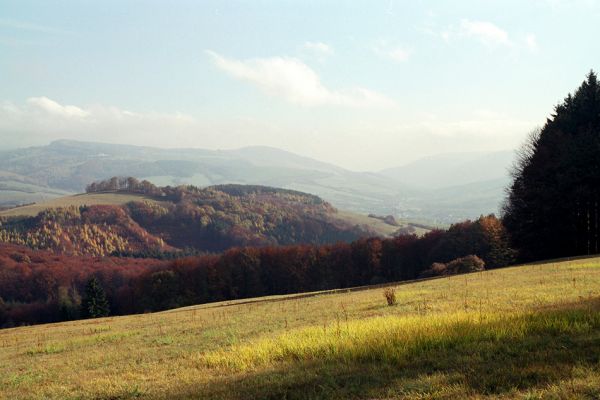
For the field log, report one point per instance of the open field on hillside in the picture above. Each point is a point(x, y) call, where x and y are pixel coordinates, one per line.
point(375, 224)
point(16, 192)
point(86, 199)
point(523, 332)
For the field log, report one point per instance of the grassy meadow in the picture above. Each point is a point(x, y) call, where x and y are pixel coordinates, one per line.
point(530, 332)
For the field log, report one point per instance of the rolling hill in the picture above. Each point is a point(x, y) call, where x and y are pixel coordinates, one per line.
point(70, 165)
point(520, 332)
point(410, 192)
point(18, 189)
point(211, 219)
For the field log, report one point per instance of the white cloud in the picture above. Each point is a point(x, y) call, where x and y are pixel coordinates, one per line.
point(46, 105)
point(488, 34)
point(484, 31)
point(397, 54)
point(531, 42)
point(41, 119)
point(292, 80)
point(318, 47)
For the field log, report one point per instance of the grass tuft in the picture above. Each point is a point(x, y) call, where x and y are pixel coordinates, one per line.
point(390, 296)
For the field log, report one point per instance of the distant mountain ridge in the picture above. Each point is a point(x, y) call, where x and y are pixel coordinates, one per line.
point(411, 191)
point(453, 169)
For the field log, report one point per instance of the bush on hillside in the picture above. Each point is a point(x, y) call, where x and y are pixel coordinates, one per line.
point(462, 265)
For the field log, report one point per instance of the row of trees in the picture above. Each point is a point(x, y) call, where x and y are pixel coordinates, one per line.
point(36, 286)
point(129, 184)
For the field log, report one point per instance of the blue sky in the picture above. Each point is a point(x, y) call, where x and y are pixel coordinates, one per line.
point(363, 84)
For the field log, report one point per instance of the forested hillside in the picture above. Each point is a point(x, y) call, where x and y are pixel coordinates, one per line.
point(178, 218)
point(40, 286)
point(553, 207)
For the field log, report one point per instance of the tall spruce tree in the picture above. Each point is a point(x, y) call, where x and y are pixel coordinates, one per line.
point(94, 303)
point(552, 204)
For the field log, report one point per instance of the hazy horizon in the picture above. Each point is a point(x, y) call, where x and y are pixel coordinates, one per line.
point(364, 86)
point(400, 163)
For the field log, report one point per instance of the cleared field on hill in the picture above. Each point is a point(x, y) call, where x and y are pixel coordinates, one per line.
point(86, 199)
point(375, 224)
point(522, 332)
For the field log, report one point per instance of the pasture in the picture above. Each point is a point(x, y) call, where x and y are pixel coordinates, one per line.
point(524, 332)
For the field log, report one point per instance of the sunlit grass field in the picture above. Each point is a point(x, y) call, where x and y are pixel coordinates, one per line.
point(524, 332)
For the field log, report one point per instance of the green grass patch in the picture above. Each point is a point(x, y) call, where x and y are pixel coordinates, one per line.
point(47, 349)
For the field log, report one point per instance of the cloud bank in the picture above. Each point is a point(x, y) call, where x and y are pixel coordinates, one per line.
point(40, 120)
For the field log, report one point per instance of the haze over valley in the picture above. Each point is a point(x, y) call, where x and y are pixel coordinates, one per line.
point(438, 189)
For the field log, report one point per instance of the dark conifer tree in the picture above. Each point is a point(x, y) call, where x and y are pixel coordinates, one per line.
point(552, 204)
point(94, 303)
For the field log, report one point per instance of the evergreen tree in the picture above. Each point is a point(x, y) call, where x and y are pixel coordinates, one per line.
point(94, 303)
point(552, 205)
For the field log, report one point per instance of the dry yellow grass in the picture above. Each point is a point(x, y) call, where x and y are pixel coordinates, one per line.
point(522, 332)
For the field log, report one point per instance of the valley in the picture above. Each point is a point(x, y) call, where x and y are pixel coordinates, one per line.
point(67, 166)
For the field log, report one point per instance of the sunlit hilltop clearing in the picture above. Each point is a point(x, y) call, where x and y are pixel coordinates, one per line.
point(85, 199)
point(520, 332)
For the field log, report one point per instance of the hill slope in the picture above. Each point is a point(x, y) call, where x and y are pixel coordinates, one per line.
point(211, 219)
point(522, 332)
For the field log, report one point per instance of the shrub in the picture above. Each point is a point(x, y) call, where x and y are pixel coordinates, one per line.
point(462, 265)
point(390, 296)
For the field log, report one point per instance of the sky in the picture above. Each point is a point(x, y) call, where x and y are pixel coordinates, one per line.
point(365, 85)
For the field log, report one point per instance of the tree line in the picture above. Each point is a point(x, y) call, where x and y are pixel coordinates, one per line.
point(552, 209)
point(38, 286)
